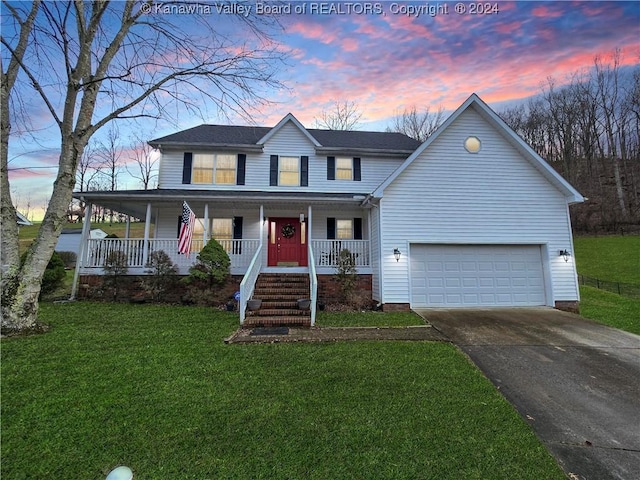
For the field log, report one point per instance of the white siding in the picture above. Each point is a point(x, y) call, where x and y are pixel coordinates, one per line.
point(450, 196)
point(288, 141)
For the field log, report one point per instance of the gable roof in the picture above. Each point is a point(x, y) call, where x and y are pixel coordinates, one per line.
point(288, 118)
point(475, 102)
point(253, 138)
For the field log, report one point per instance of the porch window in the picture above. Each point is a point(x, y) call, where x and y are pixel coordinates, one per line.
point(344, 229)
point(289, 171)
point(210, 167)
point(344, 168)
point(222, 228)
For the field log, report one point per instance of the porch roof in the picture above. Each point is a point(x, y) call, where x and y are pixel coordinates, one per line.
point(134, 202)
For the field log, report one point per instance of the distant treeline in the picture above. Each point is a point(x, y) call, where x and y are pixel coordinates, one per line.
point(589, 131)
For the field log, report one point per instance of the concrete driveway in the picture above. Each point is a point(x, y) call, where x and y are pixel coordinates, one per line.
point(576, 382)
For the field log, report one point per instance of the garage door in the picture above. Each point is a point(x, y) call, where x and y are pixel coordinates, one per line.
point(476, 275)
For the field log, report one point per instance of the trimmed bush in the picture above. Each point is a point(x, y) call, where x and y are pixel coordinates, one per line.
point(213, 264)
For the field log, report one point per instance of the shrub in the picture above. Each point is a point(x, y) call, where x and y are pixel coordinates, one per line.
point(162, 272)
point(69, 259)
point(213, 265)
point(115, 266)
point(346, 274)
point(54, 274)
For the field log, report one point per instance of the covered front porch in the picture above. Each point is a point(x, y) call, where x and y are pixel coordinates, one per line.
point(262, 232)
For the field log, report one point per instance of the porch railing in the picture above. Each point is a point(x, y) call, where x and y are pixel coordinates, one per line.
point(249, 282)
point(313, 284)
point(327, 252)
point(240, 251)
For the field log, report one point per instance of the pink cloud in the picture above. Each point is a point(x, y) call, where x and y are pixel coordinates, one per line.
point(545, 12)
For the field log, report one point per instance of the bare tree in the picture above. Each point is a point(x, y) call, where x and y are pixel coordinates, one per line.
point(144, 162)
point(342, 116)
point(94, 62)
point(417, 125)
point(9, 243)
point(110, 153)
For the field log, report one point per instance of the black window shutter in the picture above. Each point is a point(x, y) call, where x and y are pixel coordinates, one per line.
point(237, 228)
point(357, 169)
point(179, 226)
point(357, 229)
point(242, 165)
point(237, 235)
point(331, 168)
point(186, 167)
point(273, 171)
point(331, 228)
point(304, 171)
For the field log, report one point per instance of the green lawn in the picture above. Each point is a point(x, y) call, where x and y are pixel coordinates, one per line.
point(612, 258)
point(155, 388)
point(368, 319)
point(610, 309)
point(615, 259)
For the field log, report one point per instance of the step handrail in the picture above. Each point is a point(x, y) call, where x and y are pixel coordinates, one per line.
point(313, 283)
point(248, 283)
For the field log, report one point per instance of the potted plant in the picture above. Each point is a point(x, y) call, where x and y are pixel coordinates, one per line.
point(304, 303)
point(254, 303)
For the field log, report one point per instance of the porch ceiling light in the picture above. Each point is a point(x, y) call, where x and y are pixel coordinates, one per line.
point(302, 218)
point(565, 254)
point(397, 253)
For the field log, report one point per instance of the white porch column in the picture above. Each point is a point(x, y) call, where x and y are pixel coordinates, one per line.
point(205, 233)
point(309, 225)
point(84, 238)
point(127, 228)
point(261, 223)
point(147, 229)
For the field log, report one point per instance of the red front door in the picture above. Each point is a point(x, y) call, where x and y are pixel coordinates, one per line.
point(287, 242)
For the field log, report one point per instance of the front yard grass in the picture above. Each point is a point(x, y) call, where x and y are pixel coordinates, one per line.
point(155, 388)
point(368, 319)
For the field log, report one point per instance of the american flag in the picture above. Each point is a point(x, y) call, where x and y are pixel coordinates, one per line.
point(187, 222)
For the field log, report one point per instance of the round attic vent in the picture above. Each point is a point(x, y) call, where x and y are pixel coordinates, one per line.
point(472, 144)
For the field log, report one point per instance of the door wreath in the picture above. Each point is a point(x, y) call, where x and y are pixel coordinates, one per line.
point(288, 230)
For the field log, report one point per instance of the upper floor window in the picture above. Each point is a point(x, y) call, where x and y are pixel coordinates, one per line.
point(344, 168)
point(289, 171)
point(214, 168)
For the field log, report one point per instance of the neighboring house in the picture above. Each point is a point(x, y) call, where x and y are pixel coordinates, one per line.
point(70, 239)
point(22, 220)
point(471, 217)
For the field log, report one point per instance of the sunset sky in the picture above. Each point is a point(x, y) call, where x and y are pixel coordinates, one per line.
point(390, 60)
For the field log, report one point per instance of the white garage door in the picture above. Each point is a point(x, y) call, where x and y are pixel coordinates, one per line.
point(476, 275)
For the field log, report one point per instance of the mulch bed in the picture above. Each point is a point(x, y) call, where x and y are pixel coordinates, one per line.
point(336, 334)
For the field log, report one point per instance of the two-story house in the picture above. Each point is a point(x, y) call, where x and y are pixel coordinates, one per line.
point(471, 217)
